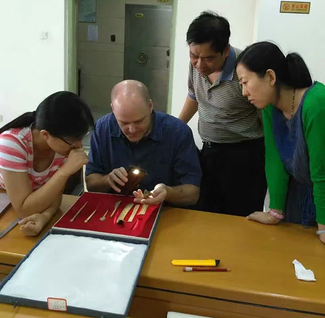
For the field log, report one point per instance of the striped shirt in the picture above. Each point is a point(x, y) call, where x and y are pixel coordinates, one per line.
point(17, 154)
point(225, 115)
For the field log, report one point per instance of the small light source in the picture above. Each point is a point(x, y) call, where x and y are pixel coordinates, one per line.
point(136, 171)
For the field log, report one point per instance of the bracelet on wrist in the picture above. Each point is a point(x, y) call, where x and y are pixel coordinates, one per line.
point(276, 214)
point(272, 220)
point(319, 232)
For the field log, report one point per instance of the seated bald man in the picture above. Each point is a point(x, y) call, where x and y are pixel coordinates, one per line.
point(136, 135)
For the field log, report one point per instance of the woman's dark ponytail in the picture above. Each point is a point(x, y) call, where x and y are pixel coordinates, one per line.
point(298, 73)
point(23, 120)
point(290, 71)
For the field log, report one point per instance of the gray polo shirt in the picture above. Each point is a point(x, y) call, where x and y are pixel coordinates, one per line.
point(225, 115)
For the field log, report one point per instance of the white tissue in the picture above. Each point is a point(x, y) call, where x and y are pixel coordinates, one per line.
point(302, 273)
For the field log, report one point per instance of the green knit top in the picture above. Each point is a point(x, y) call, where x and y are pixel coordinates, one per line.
point(313, 118)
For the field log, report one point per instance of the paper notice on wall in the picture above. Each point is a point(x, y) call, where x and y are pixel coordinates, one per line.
point(92, 32)
point(87, 11)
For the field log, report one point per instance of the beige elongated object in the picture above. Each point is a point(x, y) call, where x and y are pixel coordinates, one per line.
point(78, 212)
point(117, 204)
point(124, 212)
point(144, 209)
point(134, 212)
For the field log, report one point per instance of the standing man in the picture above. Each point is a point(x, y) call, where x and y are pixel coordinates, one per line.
point(136, 135)
point(232, 158)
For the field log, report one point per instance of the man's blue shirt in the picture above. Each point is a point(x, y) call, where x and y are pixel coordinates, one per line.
point(168, 153)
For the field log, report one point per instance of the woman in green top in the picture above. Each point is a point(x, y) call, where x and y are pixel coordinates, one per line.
point(294, 127)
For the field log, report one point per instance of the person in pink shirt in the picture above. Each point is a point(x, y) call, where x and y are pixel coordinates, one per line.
point(39, 151)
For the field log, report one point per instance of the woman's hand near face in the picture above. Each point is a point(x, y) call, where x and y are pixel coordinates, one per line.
point(76, 159)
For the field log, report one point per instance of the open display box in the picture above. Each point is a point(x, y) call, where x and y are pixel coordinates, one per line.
point(140, 228)
point(89, 268)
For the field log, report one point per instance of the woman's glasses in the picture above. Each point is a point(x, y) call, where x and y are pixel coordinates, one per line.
point(73, 145)
point(68, 143)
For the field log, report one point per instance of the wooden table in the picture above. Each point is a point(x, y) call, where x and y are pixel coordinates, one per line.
point(262, 282)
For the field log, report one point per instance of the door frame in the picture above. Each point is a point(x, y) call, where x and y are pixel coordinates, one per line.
point(70, 45)
point(172, 56)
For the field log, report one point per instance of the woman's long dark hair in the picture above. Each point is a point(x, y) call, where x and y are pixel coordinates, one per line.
point(62, 114)
point(290, 71)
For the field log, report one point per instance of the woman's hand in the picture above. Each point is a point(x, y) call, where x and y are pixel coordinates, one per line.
point(33, 224)
point(264, 218)
point(76, 159)
point(321, 227)
point(322, 237)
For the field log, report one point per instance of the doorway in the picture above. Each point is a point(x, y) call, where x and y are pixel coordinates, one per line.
point(146, 54)
point(128, 40)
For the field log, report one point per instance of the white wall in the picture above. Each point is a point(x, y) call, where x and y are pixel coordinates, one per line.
point(303, 33)
point(241, 16)
point(30, 68)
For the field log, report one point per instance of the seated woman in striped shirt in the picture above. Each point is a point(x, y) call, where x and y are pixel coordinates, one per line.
point(294, 117)
point(38, 152)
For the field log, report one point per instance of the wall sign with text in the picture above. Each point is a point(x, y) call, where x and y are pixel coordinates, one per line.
point(294, 7)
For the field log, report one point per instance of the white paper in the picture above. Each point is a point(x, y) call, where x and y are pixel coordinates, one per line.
point(88, 272)
point(92, 32)
point(56, 304)
point(302, 273)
